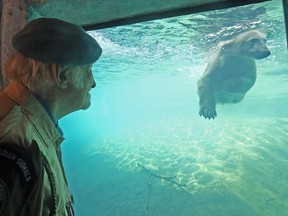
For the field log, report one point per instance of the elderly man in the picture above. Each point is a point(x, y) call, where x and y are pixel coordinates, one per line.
point(50, 77)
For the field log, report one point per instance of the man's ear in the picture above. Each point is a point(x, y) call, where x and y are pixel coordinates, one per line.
point(61, 78)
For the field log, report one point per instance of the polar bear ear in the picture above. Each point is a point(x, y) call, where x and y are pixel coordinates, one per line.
point(226, 46)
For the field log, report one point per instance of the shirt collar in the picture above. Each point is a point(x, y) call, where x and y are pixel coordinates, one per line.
point(50, 114)
point(39, 114)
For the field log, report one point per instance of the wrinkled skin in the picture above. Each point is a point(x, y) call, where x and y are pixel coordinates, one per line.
point(231, 73)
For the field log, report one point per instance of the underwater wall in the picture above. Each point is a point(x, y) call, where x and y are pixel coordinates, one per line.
point(13, 18)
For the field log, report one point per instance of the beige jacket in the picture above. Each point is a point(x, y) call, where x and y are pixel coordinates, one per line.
point(31, 176)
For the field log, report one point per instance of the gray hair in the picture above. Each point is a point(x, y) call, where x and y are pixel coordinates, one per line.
point(39, 77)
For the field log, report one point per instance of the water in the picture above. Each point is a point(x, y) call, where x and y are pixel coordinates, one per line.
point(142, 149)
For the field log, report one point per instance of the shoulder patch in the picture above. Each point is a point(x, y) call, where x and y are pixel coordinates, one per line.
point(4, 196)
point(26, 162)
point(18, 162)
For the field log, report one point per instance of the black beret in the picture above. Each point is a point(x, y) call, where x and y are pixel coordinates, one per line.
point(52, 40)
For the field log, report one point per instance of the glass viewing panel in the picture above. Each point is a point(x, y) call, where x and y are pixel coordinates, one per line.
point(142, 148)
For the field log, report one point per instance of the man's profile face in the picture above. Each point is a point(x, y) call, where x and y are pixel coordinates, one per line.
point(80, 97)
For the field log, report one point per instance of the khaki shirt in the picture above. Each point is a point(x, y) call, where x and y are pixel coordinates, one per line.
point(23, 176)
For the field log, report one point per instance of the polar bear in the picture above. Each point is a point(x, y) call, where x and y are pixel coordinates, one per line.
point(231, 72)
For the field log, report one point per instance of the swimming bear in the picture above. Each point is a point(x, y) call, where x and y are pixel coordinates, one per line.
point(231, 72)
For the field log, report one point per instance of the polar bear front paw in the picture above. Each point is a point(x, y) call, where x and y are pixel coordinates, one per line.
point(208, 112)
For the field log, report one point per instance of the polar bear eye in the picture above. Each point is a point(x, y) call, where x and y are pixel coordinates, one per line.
point(254, 40)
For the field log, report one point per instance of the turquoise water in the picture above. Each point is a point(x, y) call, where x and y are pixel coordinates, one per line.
point(142, 148)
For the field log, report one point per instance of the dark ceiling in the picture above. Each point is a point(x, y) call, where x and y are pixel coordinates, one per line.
point(96, 14)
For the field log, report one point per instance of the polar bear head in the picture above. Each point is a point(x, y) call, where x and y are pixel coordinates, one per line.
point(250, 44)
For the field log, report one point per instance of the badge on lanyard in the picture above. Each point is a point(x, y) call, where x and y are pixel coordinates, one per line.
point(69, 207)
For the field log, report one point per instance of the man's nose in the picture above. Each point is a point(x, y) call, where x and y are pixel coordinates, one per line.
point(94, 84)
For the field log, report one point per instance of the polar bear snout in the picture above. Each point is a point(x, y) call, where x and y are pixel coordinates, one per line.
point(263, 54)
point(260, 49)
